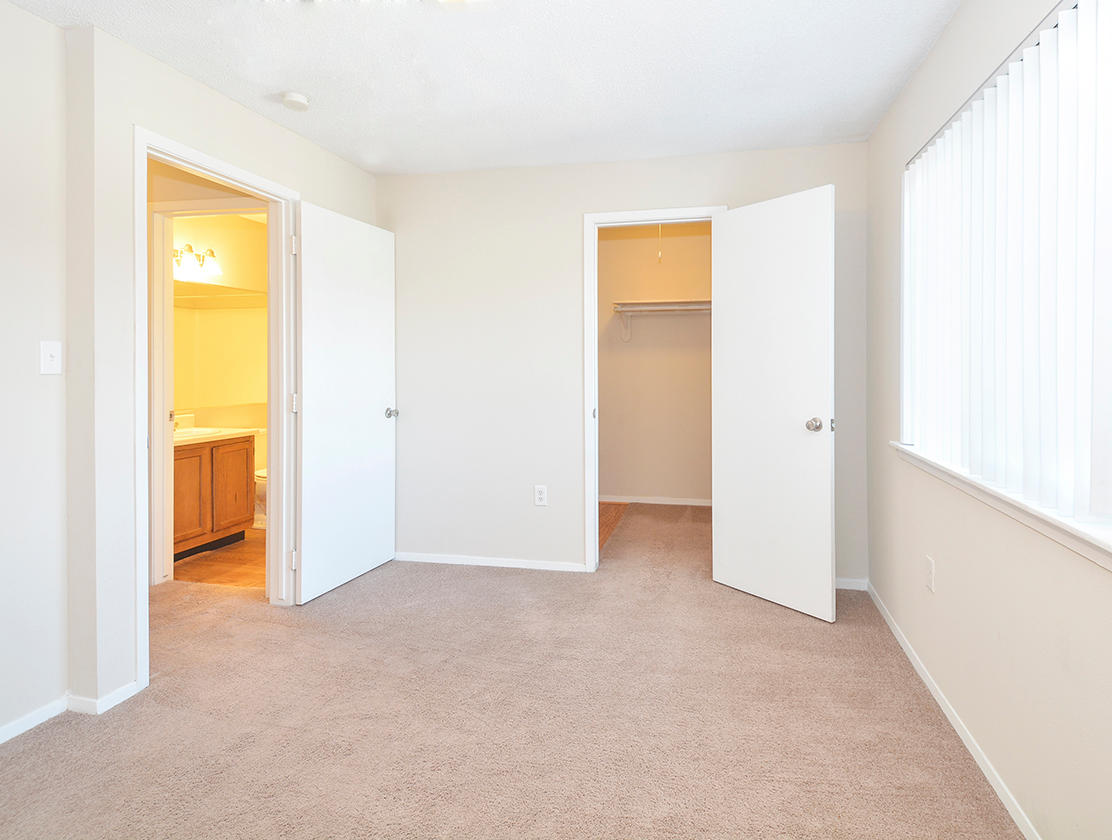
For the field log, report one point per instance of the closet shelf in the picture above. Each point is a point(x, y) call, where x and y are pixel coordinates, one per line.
point(628, 308)
point(632, 306)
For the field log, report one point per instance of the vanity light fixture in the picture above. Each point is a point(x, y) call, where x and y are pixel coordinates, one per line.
point(195, 266)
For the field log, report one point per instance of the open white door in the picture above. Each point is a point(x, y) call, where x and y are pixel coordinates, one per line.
point(346, 498)
point(773, 400)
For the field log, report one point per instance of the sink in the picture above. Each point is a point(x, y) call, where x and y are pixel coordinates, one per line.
point(204, 434)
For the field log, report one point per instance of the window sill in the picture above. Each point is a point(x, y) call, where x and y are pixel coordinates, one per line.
point(1095, 546)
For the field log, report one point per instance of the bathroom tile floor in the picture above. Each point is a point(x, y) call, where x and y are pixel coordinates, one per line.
point(239, 564)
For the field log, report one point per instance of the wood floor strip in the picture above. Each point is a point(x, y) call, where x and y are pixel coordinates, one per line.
point(609, 515)
point(240, 564)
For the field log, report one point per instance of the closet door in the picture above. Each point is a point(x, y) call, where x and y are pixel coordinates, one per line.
point(773, 400)
point(346, 417)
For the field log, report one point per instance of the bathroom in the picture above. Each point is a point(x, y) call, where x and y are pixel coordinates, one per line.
point(220, 386)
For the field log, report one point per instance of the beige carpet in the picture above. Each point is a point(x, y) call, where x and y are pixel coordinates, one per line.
point(426, 701)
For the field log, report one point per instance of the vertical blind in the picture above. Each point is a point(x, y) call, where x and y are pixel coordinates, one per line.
point(1007, 277)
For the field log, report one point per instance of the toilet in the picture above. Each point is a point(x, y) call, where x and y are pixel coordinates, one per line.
point(260, 499)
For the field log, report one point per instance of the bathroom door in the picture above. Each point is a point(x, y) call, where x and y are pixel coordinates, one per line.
point(772, 356)
point(346, 401)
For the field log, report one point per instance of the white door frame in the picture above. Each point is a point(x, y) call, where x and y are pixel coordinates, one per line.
point(591, 224)
point(160, 313)
point(282, 372)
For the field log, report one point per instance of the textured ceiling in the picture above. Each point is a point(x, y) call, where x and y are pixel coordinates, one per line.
point(420, 86)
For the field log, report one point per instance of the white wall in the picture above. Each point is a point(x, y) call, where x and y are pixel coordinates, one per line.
point(1018, 634)
point(654, 389)
point(129, 89)
point(32, 421)
point(68, 175)
point(490, 338)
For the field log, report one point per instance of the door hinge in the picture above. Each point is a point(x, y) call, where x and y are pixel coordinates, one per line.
point(295, 403)
point(293, 559)
point(293, 244)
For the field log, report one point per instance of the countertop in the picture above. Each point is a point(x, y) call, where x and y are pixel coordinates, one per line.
point(183, 437)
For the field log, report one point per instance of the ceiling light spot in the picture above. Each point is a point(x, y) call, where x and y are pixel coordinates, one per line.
point(295, 101)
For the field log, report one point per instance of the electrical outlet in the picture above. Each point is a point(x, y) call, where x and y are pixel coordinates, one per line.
point(930, 573)
point(540, 495)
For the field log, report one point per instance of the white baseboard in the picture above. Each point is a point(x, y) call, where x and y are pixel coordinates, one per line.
point(655, 500)
point(503, 562)
point(100, 705)
point(32, 719)
point(72, 702)
point(856, 584)
point(1010, 803)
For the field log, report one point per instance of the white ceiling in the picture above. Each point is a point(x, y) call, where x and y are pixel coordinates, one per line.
point(420, 86)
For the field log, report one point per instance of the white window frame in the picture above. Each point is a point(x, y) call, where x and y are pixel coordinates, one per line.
point(1093, 546)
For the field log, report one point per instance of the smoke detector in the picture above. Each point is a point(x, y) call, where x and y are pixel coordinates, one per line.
point(295, 101)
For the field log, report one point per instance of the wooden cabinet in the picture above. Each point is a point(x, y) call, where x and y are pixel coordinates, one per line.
point(192, 492)
point(214, 490)
point(233, 483)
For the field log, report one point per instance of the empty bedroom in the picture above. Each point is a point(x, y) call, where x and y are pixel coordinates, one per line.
point(546, 419)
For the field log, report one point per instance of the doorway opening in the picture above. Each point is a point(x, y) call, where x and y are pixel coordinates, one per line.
point(654, 371)
point(771, 360)
point(215, 357)
point(647, 371)
point(208, 272)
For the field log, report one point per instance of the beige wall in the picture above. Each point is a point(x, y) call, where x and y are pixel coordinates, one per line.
point(220, 342)
point(202, 375)
point(1018, 634)
point(654, 389)
point(240, 246)
point(32, 421)
point(220, 361)
point(219, 357)
point(490, 335)
point(111, 89)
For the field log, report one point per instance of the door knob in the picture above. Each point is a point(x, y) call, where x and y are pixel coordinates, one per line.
point(391, 412)
point(814, 424)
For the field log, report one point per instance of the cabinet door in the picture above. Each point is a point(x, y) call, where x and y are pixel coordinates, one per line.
point(233, 483)
point(192, 492)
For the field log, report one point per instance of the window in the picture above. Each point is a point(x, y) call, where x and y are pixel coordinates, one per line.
point(1007, 280)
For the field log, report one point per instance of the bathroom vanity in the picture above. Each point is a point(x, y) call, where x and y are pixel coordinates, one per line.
point(214, 485)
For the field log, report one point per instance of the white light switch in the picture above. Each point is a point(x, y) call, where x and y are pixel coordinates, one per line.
point(50, 357)
point(540, 495)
